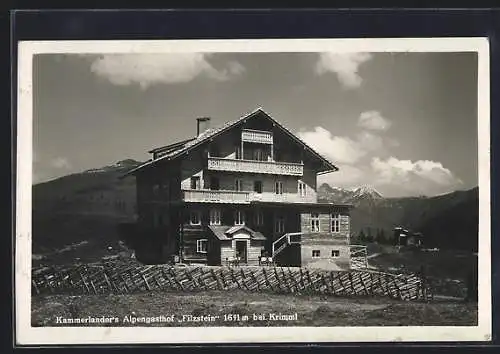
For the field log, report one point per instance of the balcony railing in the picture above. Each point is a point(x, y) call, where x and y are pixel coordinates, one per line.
point(253, 166)
point(240, 197)
point(220, 196)
point(256, 136)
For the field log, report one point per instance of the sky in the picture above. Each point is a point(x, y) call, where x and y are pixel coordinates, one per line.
point(402, 123)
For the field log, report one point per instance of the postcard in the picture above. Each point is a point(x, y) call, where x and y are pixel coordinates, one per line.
point(252, 191)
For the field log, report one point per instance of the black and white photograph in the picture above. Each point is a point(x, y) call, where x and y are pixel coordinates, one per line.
point(253, 191)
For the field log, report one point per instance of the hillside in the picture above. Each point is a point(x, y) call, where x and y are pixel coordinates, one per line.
point(82, 210)
point(447, 221)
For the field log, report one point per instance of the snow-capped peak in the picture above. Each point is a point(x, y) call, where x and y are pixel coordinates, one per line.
point(366, 190)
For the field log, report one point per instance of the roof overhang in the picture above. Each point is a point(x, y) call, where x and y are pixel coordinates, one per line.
point(329, 166)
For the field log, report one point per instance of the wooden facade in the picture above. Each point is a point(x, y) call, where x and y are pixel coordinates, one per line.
point(252, 174)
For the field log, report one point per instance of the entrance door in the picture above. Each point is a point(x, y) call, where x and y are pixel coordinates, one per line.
point(241, 251)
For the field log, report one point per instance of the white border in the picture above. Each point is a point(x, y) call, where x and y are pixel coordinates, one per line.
point(27, 335)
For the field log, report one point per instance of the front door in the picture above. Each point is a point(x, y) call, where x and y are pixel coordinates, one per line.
point(241, 251)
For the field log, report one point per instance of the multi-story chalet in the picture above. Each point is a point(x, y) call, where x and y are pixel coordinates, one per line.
point(240, 191)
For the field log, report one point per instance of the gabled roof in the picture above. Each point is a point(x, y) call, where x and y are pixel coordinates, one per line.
point(172, 147)
point(224, 233)
point(237, 228)
point(189, 144)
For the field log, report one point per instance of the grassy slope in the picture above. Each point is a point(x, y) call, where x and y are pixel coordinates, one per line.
point(311, 310)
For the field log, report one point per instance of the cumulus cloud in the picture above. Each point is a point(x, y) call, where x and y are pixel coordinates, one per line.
point(342, 149)
point(359, 161)
point(422, 176)
point(344, 65)
point(370, 142)
point(347, 176)
point(373, 120)
point(150, 69)
point(337, 148)
point(60, 163)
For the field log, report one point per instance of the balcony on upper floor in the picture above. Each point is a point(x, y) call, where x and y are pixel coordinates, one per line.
point(241, 197)
point(256, 136)
point(255, 166)
point(215, 196)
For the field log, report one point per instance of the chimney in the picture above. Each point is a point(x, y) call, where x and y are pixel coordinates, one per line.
point(202, 124)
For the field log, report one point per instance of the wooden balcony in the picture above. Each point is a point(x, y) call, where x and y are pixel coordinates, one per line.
point(220, 196)
point(253, 166)
point(240, 197)
point(256, 136)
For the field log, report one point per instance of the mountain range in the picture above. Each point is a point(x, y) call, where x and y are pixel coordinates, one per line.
point(448, 221)
point(90, 205)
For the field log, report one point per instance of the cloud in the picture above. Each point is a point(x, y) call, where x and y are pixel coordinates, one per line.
point(60, 163)
point(419, 177)
point(373, 120)
point(342, 149)
point(347, 176)
point(370, 142)
point(150, 69)
point(337, 148)
point(345, 65)
point(360, 162)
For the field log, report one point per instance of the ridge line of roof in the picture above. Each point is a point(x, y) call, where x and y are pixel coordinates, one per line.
point(180, 142)
point(216, 130)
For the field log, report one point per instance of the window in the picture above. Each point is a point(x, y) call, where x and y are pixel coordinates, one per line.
point(314, 222)
point(335, 253)
point(259, 218)
point(214, 183)
point(195, 217)
point(257, 186)
point(239, 217)
point(202, 245)
point(302, 189)
point(316, 253)
point(335, 222)
point(195, 182)
point(238, 185)
point(278, 187)
point(238, 153)
point(215, 216)
point(279, 224)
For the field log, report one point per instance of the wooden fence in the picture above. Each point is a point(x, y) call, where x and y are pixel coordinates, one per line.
point(122, 279)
